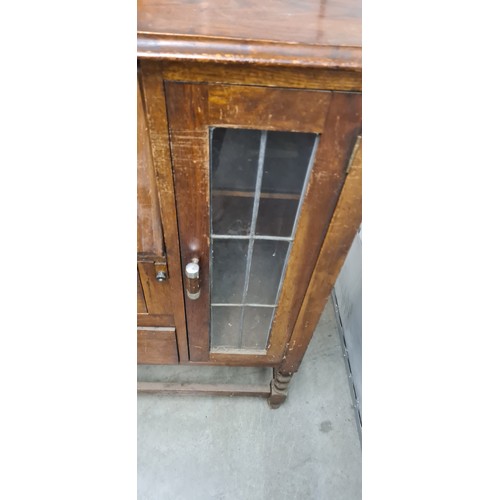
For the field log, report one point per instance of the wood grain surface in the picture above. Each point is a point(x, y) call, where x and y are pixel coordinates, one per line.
point(283, 32)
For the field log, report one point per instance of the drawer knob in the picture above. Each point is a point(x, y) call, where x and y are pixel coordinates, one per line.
point(193, 279)
point(161, 276)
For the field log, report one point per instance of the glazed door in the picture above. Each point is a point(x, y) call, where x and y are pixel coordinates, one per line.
point(257, 174)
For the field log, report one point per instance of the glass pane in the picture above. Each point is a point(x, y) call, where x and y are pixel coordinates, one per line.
point(225, 326)
point(276, 217)
point(256, 324)
point(231, 215)
point(286, 162)
point(229, 260)
point(257, 180)
point(265, 273)
point(235, 156)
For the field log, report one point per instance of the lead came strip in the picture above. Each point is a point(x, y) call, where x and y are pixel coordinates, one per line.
point(258, 184)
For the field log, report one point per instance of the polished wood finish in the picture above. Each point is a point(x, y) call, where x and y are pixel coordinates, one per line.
point(156, 346)
point(256, 390)
point(345, 222)
point(313, 33)
point(315, 22)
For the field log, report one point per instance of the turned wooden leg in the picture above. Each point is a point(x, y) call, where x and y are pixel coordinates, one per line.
point(279, 389)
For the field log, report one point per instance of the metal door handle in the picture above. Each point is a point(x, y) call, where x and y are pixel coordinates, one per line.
point(193, 279)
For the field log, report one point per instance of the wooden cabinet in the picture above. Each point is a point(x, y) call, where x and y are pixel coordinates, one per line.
point(249, 180)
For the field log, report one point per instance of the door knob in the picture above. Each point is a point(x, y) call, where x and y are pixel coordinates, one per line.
point(193, 279)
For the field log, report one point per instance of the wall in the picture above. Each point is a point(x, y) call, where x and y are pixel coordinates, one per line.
point(348, 300)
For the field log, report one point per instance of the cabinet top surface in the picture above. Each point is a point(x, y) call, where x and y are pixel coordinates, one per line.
point(321, 33)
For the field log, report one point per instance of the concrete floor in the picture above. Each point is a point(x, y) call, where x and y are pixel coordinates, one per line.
point(197, 448)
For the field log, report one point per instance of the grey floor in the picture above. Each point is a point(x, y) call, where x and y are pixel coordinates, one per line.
point(192, 448)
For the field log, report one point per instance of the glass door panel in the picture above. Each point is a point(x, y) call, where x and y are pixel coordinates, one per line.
point(257, 182)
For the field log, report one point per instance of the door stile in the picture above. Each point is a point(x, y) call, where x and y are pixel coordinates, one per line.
point(155, 108)
point(189, 136)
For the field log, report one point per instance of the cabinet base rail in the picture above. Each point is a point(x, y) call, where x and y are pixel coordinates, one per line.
point(276, 392)
point(184, 389)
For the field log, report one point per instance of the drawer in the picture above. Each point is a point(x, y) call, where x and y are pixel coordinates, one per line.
point(157, 346)
point(154, 304)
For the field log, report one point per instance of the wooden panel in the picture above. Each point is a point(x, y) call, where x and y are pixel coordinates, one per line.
point(269, 109)
point(187, 112)
point(297, 32)
point(341, 231)
point(243, 74)
point(156, 346)
point(157, 294)
point(141, 302)
point(149, 232)
point(342, 126)
point(155, 107)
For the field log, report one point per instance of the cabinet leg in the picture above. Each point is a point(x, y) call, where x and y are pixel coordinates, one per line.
point(279, 389)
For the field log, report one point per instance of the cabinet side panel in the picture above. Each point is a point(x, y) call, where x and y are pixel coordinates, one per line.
point(341, 232)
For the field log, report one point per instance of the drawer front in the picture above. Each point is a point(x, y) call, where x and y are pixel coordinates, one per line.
point(154, 304)
point(157, 346)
